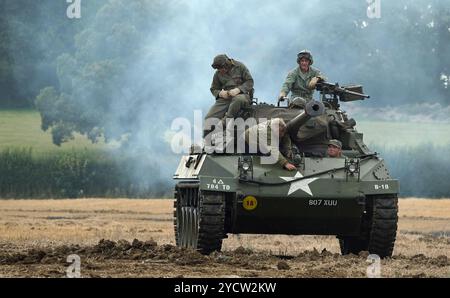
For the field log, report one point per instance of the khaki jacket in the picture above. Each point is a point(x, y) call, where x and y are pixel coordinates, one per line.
point(238, 76)
point(297, 82)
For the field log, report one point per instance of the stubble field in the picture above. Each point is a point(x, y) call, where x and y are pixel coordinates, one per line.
point(134, 238)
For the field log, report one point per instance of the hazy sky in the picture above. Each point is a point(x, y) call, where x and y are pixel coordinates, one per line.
point(170, 72)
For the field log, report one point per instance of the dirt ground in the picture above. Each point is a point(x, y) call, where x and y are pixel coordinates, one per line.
point(134, 238)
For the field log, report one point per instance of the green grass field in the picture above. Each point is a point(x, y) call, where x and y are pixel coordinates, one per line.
point(404, 134)
point(59, 172)
point(22, 128)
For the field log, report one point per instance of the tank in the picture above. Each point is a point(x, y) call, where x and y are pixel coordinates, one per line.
point(352, 197)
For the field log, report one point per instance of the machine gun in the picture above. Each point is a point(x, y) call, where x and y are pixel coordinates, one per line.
point(332, 93)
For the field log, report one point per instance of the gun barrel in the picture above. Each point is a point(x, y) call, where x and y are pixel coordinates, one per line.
point(328, 88)
point(356, 93)
point(312, 109)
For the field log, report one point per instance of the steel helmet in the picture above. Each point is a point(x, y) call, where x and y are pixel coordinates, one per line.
point(220, 61)
point(305, 54)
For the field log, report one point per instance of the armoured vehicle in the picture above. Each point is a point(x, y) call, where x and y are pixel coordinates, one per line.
point(352, 197)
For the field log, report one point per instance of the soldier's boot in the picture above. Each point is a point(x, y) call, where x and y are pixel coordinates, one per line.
point(227, 123)
point(221, 139)
point(195, 149)
point(207, 145)
point(230, 135)
point(217, 141)
point(214, 140)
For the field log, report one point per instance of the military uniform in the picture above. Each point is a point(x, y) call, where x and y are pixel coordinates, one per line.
point(313, 137)
point(238, 76)
point(264, 130)
point(297, 82)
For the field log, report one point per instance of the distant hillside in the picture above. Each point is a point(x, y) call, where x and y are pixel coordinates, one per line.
point(22, 128)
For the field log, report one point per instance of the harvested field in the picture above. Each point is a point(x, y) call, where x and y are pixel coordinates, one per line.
point(36, 236)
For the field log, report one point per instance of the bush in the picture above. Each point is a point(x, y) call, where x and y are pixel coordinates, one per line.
point(77, 173)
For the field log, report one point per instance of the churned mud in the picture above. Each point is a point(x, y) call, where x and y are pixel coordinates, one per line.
point(148, 259)
point(38, 236)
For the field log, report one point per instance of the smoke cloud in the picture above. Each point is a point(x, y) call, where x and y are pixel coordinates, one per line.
point(149, 62)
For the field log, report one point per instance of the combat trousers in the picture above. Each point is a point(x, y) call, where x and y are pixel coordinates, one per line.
point(227, 108)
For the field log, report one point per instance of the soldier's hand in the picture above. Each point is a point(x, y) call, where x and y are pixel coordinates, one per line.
point(290, 167)
point(313, 82)
point(281, 96)
point(321, 78)
point(223, 94)
point(234, 92)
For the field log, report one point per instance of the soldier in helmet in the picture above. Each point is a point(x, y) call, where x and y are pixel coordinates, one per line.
point(232, 87)
point(302, 80)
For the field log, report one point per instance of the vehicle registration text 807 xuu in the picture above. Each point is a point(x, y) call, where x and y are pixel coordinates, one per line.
point(320, 202)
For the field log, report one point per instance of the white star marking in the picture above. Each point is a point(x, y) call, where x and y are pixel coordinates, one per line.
point(300, 184)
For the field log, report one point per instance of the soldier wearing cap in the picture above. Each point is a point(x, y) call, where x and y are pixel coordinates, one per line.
point(302, 80)
point(334, 148)
point(232, 87)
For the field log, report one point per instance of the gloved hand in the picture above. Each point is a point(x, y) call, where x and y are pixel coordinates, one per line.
point(313, 82)
point(281, 96)
point(234, 92)
point(290, 167)
point(223, 94)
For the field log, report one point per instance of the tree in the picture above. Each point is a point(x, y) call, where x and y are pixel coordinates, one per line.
point(134, 58)
point(32, 35)
point(93, 96)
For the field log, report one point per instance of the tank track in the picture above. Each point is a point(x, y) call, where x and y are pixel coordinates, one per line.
point(175, 206)
point(212, 222)
point(379, 228)
point(199, 218)
point(384, 225)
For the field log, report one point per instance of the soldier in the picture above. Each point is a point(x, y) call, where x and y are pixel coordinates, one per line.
point(334, 148)
point(302, 80)
point(254, 135)
point(232, 87)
